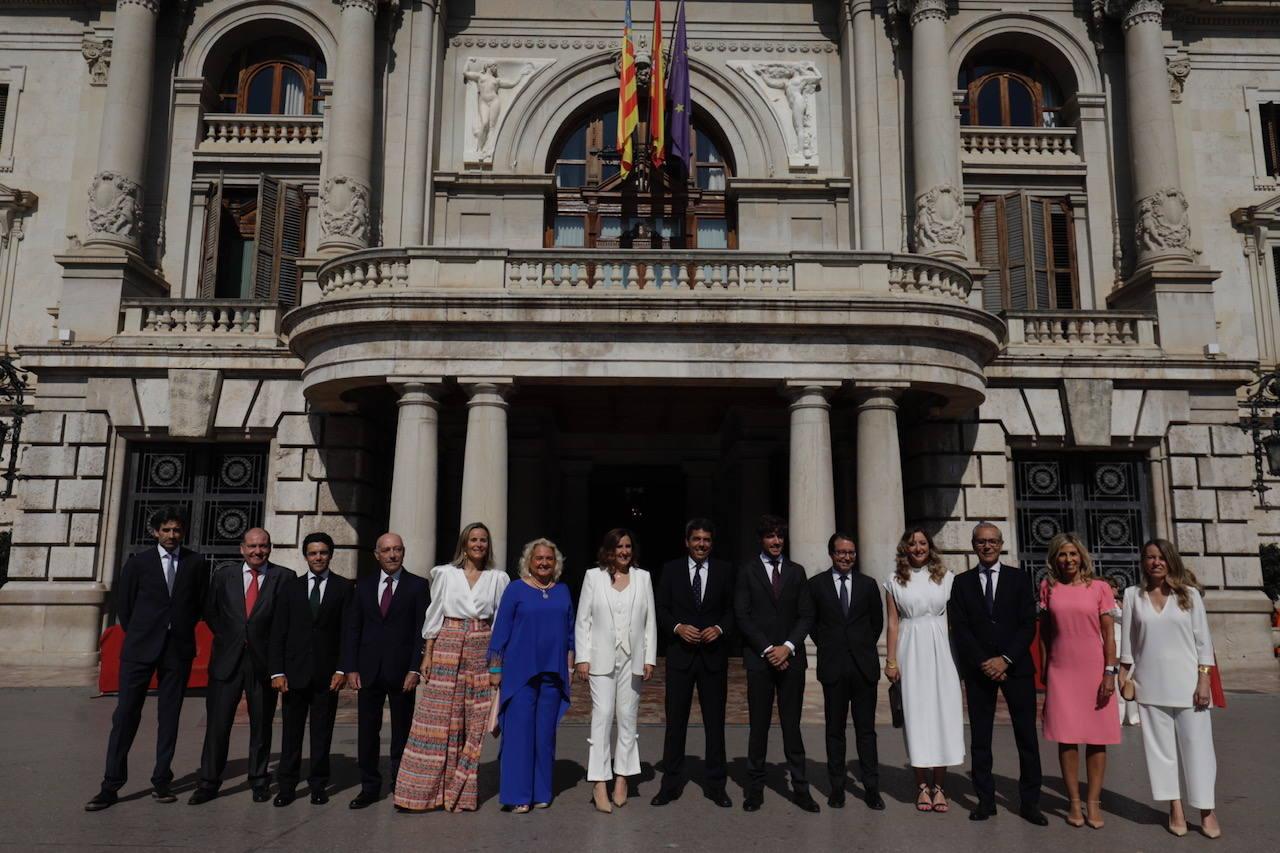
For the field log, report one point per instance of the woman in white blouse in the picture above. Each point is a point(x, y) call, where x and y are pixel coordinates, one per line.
point(1166, 656)
point(441, 757)
point(616, 640)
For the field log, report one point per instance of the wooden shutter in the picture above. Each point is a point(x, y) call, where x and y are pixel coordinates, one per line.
point(987, 219)
point(209, 241)
point(1062, 255)
point(4, 106)
point(1038, 244)
point(1270, 115)
point(1027, 244)
point(293, 213)
point(266, 245)
point(1015, 252)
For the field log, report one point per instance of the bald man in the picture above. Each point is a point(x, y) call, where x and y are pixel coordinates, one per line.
point(381, 653)
point(239, 609)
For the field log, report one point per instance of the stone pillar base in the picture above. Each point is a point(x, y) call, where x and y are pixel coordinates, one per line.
point(94, 280)
point(1182, 297)
point(44, 623)
point(1240, 624)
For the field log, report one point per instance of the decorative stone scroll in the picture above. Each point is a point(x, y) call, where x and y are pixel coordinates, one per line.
point(940, 221)
point(790, 89)
point(97, 53)
point(491, 86)
point(1163, 221)
point(1179, 71)
point(115, 206)
point(344, 209)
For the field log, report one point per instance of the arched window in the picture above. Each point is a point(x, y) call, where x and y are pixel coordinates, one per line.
point(593, 207)
point(273, 76)
point(1006, 89)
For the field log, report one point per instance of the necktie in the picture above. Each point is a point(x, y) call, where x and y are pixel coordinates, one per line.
point(777, 579)
point(385, 604)
point(697, 583)
point(844, 592)
point(315, 596)
point(990, 591)
point(251, 594)
point(170, 570)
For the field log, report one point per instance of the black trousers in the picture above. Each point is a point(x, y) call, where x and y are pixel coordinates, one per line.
point(221, 702)
point(713, 688)
point(1020, 696)
point(840, 697)
point(369, 703)
point(321, 705)
point(172, 670)
point(763, 688)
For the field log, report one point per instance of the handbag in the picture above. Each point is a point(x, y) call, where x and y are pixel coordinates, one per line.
point(493, 727)
point(895, 704)
point(1129, 690)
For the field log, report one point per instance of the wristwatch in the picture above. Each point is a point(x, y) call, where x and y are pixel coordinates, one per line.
point(1111, 670)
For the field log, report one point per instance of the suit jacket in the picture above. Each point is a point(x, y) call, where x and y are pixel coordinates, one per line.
point(147, 611)
point(846, 645)
point(308, 649)
point(594, 631)
point(234, 635)
point(1008, 631)
point(675, 606)
point(390, 646)
point(764, 622)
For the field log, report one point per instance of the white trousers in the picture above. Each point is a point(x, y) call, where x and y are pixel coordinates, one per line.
point(1170, 734)
point(616, 695)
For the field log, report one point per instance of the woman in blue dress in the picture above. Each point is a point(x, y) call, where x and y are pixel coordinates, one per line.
point(530, 658)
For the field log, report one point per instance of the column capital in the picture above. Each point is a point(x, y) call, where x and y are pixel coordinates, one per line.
point(879, 396)
point(417, 390)
point(152, 6)
point(370, 6)
point(1135, 12)
point(486, 390)
point(923, 10)
point(809, 394)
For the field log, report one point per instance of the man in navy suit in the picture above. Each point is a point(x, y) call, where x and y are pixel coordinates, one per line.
point(381, 653)
point(306, 637)
point(694, 604)
point(159, 599)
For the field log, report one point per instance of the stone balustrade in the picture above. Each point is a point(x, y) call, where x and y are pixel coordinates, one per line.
point(925, 277)
point(199, 318)
point(1019, 143)
point(1127, 329)
point(642, 271)
point(222, 129)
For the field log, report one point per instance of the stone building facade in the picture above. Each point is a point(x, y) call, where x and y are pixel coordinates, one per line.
point(369, 264)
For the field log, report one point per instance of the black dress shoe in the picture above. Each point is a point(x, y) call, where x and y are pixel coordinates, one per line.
point(805, 801)
point(873, 799)
point(319, 798)
point(284, 798)
point(101, 800)
point(983, 811)
point(363, 800)
point(261, 794)
point(1032, 814)
point(200, 796)
point(836, 799)
point(663, 797)
point(162, 794)
point(752, 802)
point(720, 798)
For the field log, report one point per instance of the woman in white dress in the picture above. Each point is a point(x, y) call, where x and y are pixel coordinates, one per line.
point(920, 659)
point(1166, 657)
point(616, 639)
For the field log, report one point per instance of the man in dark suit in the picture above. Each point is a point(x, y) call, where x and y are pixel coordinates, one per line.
point(382, 650)
point(694, 603)
point(848, 618)
point(159, 599)
point(993, 620)
point(241, 602)
point(774, 614)
point(306, 638)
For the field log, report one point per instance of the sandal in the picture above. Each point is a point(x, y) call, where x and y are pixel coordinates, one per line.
point(940, 800)
point(1074, 816)
point(521, 809)
point(924, 803)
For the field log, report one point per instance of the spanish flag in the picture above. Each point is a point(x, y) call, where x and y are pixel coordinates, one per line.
point(628, 101)
point(658, 94)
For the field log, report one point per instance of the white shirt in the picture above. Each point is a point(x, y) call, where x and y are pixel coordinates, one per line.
point(836, 574)
point(311, 582)
point(620, 603)
point(705, 564)
point(453, 598)
point(393, 580)
point(993, 578)
point(765, 559)
point(1165, 647)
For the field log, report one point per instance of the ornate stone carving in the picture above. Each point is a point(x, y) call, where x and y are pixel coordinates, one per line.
point(1142, 12)
point(1179, 71)
point(14, 204)
point(939, 219)
point(152, 6)
point(1163, 222)
point(699, 46)
point(491, 86)
point(115, 206)
point(97, 53)
point(790, 89)
point(370, 6)
point(344, 209)
point(922, 10)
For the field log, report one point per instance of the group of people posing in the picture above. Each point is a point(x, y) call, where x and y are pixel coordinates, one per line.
point(472, 652)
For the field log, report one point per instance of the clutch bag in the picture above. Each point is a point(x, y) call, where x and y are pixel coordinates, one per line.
point(1129, 690)
point(895, 704)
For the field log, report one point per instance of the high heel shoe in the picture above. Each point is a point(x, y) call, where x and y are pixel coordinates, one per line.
point(924, 802)
point(1077, 821)
point(1176, 828)
point(1216, 832)
point(600, 799)
point(1100, 822)
point(617, 801)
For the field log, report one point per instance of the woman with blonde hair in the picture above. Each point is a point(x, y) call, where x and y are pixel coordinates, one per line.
point(920, 660)
point(1078, 651)
point(442, 755)
point(1167, 656)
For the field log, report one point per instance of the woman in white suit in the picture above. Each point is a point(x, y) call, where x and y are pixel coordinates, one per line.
point(616, 639)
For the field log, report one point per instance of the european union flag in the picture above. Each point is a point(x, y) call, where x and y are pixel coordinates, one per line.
point(681, 99)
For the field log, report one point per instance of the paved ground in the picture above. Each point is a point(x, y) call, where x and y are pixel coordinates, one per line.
point(54, 740)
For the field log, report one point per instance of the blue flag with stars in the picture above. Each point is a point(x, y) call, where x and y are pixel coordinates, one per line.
point(680, 99)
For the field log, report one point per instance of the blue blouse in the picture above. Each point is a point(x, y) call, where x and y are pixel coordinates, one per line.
point(532, 635)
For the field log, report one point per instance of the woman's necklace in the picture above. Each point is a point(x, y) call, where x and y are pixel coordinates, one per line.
point(543, 589)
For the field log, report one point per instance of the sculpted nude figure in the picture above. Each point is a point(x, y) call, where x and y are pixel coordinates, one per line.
point(489, 86)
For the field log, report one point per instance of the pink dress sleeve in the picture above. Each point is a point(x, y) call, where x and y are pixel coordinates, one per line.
point(1044, 594)
point(1106, 599)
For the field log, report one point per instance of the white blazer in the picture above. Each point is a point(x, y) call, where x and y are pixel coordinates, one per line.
point(593, 633)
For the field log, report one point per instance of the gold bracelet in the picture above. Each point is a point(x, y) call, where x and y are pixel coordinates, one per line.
point(1204, 670)
point(890, 664)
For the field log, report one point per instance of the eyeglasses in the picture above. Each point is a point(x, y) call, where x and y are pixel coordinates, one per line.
point(988, 542)
point(844, 553)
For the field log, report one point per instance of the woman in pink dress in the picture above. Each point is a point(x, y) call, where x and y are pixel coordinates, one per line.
point(1078, 647)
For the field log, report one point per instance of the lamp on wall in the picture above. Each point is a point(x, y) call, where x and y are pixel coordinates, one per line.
point(1263, 425)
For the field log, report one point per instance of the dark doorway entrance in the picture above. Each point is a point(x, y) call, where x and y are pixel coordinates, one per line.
point(647, 499)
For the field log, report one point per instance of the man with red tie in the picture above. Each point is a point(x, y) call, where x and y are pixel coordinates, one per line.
point(381, 652)
point(239, 608)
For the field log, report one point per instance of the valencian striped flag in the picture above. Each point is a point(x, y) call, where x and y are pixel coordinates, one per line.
point(681, 147)
point(628, 103)
point(658, 93)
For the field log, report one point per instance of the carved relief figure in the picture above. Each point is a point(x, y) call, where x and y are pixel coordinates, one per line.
point(798, 83)
point(939, 219)
point(489, 85)
point(1163, 221)
point(98, 56)
point(115, 206)
point(344, 209)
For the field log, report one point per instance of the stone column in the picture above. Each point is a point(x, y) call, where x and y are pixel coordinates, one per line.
point(1162, 229)
point(417, 166)
point(860, 39)
point(115, 194)
point(939, 205)
point(812, 502)
point(415, 479)
point(881, 517)
point(484, 471)
point(345, 208)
